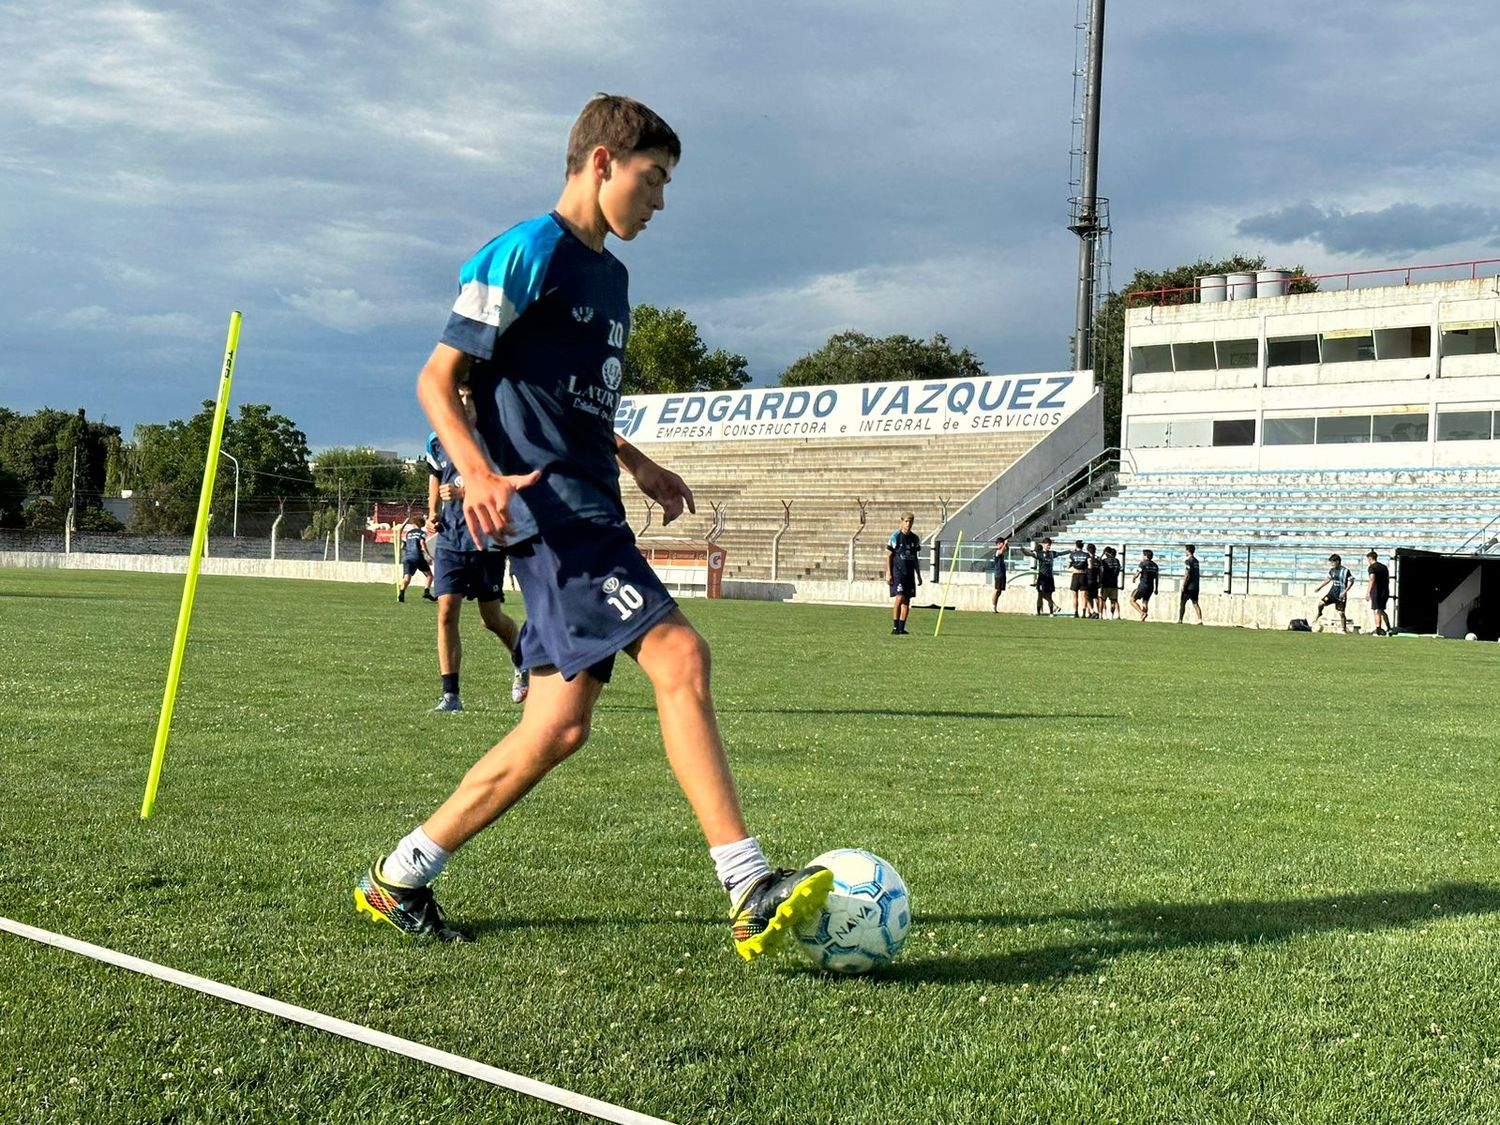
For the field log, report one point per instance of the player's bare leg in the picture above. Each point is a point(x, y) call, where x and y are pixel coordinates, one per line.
point(554, 725)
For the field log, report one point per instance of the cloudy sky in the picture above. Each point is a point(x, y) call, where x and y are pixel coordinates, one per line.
point(325, 167)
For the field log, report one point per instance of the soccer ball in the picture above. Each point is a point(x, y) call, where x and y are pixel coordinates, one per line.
point(1470, 637)
point(864, 923)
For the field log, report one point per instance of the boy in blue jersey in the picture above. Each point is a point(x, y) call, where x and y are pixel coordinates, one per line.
point(1339, 580)
point(464, 570)
point(539, 330)
point(1000, 565)
point(902, 573)
point(1078, 580)
point(414, 558)
point(1109, 583)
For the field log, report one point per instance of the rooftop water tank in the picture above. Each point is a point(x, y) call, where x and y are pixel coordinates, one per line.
point(1211, 288)
point(1272, 283)
point(1241, 286)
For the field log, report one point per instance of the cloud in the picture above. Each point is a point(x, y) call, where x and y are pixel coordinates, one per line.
point(96, 318)
point(1399, 228)
point(342, 310)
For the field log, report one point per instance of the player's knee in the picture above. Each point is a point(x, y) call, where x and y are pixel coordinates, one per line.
point(567, 737)
point(685, 660)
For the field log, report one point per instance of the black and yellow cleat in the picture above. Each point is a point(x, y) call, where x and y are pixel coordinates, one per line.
point(769, 910)
point(412, 910)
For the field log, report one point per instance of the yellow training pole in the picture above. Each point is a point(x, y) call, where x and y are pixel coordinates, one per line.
point(957, 544)
point(195, 556)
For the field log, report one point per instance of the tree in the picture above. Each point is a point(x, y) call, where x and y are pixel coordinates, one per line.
point(1109, 322)
point(665, 355)
point(349, 481)
point(853, 357)
point(12, 498)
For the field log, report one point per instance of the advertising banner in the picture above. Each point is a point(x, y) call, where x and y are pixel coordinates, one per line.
point(858, 410)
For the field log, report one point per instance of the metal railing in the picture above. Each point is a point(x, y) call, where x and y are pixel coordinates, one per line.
point(1114, 463)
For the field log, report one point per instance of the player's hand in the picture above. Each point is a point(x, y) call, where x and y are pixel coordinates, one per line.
point(665, 487)
point(487, 502)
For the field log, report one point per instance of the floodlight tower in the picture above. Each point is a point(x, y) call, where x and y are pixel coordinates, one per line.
point(1088, 213)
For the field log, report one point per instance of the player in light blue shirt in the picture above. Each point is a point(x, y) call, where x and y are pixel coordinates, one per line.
point(1339, 580)
point(538, 331)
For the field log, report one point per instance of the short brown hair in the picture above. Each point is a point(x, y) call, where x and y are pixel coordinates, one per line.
point(622, 125)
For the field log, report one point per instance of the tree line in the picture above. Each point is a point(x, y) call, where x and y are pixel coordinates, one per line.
point(52, 461)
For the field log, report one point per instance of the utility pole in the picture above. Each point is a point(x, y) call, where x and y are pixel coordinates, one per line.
point(231, 456)
point(72, 506)
point(1086, 220)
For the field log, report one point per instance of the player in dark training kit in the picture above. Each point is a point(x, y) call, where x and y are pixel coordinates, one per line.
point(414, 558)
point(1046, 559)
point(465, 571)
point(1002, 548)
point(1379, 592)
point(1189, 585)
point(903, 574)
point(1109, 584)
point(1146, 575)
point(538, 331)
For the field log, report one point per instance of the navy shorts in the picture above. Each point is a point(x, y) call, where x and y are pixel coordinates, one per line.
point(1079, 582)
point(903, 585)
point(589, 593)
point(1045, 583)
point(1378, 601)
point(411, 566)
point(1142, 593)
point(472, 575)
point(1190, 594)
point(1000, 582)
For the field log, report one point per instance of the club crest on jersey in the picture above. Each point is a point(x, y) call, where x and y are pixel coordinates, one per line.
point(612, 372)
point(583, 314)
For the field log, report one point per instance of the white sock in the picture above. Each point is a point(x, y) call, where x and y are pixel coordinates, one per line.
point(416, 861)
point(738, 865)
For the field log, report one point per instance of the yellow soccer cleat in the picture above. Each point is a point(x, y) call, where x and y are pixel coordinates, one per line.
point(775, 904)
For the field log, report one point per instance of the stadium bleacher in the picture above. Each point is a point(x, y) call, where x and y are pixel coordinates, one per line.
point(822, 479)
point(1283, 525)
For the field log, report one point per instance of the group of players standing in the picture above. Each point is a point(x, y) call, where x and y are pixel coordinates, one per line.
point(1094, 579)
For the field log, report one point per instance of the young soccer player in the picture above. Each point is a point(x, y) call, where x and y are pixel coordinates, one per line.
point(1379, 592)
point(1002, 549)
point(414, 558)
point(1046, 559)
point(1091, 597)
point(1189, 584)
point(1338, 582)
point(539, 328)
point(464, 571)
point(1109, 584)
point(1147, 572)
point(902, 573)
point(1078, 582)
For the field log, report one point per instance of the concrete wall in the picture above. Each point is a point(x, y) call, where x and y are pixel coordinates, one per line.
point(241, 568)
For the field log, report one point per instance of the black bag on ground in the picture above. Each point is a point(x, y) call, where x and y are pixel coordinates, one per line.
point(1300, 625)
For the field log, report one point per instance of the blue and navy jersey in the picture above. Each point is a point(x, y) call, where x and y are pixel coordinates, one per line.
point(1044, 561)
point(1149, 574)
point(544, 318)
point(1078, 559)
point(1340, 579)
point(453, 529)
point(1000, 563)
point(1190, 571)
point(411, 544)
point(905, 547)
point(1109, 574)
point(1382, 576)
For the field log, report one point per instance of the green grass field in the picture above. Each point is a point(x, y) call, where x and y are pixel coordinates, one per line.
point(1160, 873)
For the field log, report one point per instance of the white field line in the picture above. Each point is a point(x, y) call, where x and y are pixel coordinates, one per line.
point(604, 1111)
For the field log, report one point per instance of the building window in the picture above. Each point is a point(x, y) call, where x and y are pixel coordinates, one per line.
point(1148, 435)
point(1469, 339)
point(1236, 353)
point(1400, 427)
point(1465, 425)
point(1289, 431)
point(1196, 355)
point(1348, 347)
point(1344, 429)
point(1403, 343)
point(1234, 431)
point(1291, 351)
point(1152, 359)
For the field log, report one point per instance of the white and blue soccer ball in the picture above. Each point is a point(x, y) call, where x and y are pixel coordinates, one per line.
point(864, 923)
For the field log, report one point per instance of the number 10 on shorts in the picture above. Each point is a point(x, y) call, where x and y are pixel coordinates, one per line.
point(625, 598)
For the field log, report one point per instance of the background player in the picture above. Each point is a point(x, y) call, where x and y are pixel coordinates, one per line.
point(902, 573)
point(1379, 592)
point(1109, 584)
point(539, 327)
point(1045, 558)
point(1338, 582)
point(1002, 548)
point(414, 557)
point(1147, 573)
point(465, 571)
point(1190, 574)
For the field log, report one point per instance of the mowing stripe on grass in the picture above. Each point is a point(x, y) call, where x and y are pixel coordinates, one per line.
point(604, 1111)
